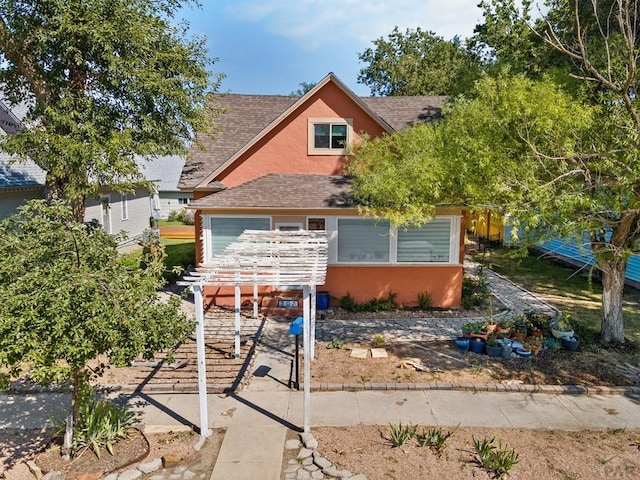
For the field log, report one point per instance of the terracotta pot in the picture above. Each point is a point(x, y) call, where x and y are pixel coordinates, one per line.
point(484, 336)
point(518, 335)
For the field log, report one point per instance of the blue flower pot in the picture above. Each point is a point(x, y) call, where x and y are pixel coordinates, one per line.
point(476, 346)
point(462, 344)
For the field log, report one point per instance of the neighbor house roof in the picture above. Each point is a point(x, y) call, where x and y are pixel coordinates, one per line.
point(16, 174)
point(284, 190)
point(165, 171)
point(246, 118)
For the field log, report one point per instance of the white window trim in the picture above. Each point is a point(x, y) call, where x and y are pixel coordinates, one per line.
point(454, 244)
point(124, 206)
point(108, 198)
point(311, 150)
point(206, 230)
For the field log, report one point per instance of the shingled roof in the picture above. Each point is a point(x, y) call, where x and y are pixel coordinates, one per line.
point(284, 190)
point(246, 116)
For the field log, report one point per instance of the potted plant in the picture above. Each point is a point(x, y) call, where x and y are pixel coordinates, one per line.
point(494, 348)
point(562, 326)
point(476, 345)
point(570, 343)
point(504, 326)
point(476, 329)
point(462, 344)
point(519, 329)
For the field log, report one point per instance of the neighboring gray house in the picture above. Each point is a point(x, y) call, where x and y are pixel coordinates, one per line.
point(165, 173)
point(23, 181)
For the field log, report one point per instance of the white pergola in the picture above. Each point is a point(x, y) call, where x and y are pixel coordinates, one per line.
point(263, 257)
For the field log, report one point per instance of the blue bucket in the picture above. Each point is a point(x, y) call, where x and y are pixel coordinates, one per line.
point(322, 300)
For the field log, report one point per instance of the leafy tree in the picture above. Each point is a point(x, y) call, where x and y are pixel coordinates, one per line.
point(104, 81)
point(559, 157)
point(304, 88)
point(417, 63)
point(66, 298)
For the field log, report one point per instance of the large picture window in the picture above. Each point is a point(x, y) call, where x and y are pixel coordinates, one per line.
point(430, 243)
point(363, 241)
point(225, 230)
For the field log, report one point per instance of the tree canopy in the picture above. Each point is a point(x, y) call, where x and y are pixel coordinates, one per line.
point(555, 152)
point(104, 81)
point(417, 63)
point(66, 297)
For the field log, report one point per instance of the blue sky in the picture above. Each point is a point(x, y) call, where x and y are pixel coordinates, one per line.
point(271, 46)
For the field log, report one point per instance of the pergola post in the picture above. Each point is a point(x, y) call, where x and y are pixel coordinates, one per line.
point(313, 322)
point(202, 374)
point(306, 336)
point(236, 312)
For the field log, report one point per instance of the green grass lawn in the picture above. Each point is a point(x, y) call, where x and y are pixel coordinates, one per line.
point(180, 253)
point(567, 288)
point(171, 223)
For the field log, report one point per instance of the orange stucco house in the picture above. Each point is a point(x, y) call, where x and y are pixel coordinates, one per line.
point(276, 162)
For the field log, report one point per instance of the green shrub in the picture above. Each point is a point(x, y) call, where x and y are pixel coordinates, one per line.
point(185, 216)
point(400, 434)
point(377, 340)
point(374, 305)
point(425, 301)
point(335, 343)
point(348, 303)
point(475, 291)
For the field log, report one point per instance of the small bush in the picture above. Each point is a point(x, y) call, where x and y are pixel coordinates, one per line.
point(400, 434)
point(374, 305)
point(496, 460)
point(100, 424)
point(475, 291)
point(335, 343)
point(184, 216)
point(425, 301)
point(377, 340)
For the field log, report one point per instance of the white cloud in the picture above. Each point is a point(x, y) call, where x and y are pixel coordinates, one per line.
point(356, 23)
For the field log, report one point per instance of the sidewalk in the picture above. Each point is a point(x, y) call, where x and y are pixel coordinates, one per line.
point(257, 421)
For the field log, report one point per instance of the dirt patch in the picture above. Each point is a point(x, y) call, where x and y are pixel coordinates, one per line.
point(444, 364)
point(21, 446)
point(542, 454)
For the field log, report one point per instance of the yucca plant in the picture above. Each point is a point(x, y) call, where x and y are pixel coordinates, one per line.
point(400, 434)
point(496, 460)
point(435, 439)
point(101, 424)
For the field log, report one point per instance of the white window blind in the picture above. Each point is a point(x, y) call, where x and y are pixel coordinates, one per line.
point(363, 241)
point(430, 243)
point(225, 230)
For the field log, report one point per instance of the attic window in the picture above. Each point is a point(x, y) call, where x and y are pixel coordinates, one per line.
point(329, 136)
